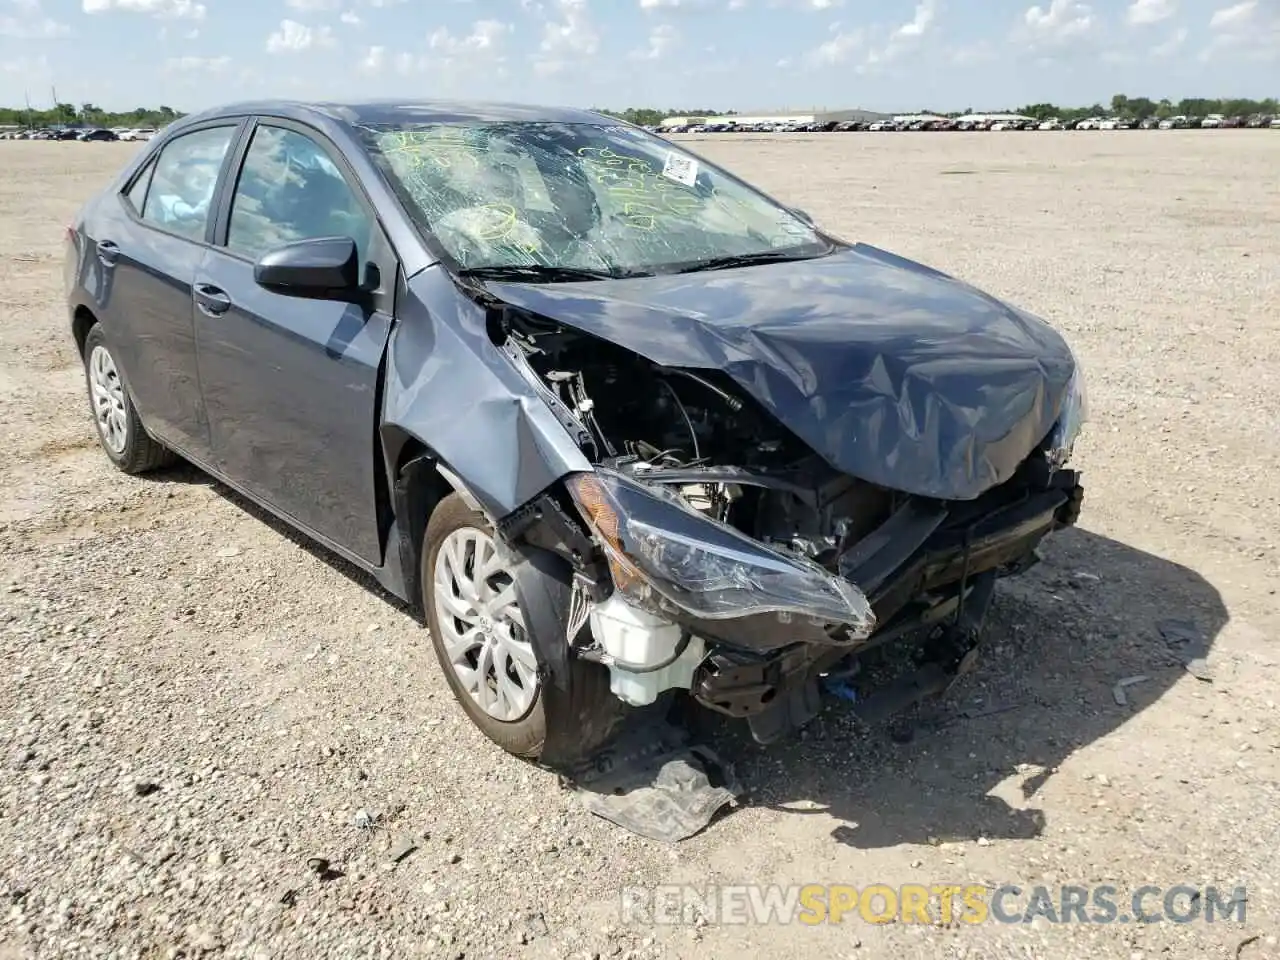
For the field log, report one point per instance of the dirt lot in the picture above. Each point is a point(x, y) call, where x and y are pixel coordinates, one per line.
point(156, 632)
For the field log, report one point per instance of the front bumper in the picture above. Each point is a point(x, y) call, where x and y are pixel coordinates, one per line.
point(916, 569)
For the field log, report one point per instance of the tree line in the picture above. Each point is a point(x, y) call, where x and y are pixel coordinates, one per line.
point(1143, 108)
point(87, 115)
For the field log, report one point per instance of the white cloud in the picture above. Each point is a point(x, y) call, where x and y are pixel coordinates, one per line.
point(26, 66)
point(1062, 20)
point(1250, 30)
point(890, 44)
point(39, 28)
point(351, 18)
point(675, 6)
point(168, 9)
point(1235, 16)
point(1172, 45)
point(197, 64)
point(838, 48)
point(661, 39)
point(925, 13)
point(374, 59)
point(1143, 12)
point(485, 38)
point(310, 6)
point(293, 37)
point(969, 54)
point(736, 4)
point(570, 38)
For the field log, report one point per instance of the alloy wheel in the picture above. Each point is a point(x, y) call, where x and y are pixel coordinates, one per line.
point(482, 627)
point(107, 394)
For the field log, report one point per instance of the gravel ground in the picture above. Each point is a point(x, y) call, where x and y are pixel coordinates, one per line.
point(199, 703)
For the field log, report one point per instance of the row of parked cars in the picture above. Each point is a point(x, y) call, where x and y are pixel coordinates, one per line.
point(82, 133)
point(1211, 121)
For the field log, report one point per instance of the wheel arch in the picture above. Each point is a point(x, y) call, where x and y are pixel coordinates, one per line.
point(82, 321)
point(417, 487)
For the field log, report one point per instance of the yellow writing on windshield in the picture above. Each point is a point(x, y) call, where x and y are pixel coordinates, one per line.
point(634, 185)
point(418, 150)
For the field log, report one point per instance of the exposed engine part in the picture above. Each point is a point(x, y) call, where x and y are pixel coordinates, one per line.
point(727, 457)
point(645, 654)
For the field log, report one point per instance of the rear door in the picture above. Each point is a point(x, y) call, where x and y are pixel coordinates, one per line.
point(147, 246)
point(291, 385)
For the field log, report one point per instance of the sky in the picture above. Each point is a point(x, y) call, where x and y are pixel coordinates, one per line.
point(746, 55)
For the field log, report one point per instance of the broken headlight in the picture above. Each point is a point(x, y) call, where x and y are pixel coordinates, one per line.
point(1075, 410)
point(663, 553)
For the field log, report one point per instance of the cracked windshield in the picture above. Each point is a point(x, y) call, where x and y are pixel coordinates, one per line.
point(579, 197)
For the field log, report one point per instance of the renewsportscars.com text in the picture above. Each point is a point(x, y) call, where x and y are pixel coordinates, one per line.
point(945, 903)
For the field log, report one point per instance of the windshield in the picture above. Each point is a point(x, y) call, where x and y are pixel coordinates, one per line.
point(579, 197)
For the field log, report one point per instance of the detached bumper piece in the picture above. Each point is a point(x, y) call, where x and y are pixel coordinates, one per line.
point(930, 564)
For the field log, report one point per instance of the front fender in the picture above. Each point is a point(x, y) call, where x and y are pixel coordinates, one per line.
point(450, 387)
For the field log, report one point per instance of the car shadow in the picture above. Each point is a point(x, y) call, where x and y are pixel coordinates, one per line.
point(1058, 640)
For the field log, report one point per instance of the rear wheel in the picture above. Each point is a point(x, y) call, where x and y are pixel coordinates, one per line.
point(120, 431)
point(482, 641)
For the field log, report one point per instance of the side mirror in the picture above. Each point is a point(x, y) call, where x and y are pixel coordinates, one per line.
point(327, 268)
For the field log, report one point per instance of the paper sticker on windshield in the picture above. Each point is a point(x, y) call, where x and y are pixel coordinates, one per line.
point(680, 169)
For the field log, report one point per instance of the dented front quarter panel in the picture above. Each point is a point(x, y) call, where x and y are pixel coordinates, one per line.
point(450, 387)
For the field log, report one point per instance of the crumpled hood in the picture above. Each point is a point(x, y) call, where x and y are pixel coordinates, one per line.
point(889, 370)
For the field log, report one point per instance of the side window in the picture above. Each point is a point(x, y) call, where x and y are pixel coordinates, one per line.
point(182, 185)
point(137, 194)
point(289, 189)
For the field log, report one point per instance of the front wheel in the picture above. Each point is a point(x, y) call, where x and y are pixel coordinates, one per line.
point(482, 641)
point(120, 431)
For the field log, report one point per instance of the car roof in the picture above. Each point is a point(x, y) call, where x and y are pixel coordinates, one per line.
point(380, 112)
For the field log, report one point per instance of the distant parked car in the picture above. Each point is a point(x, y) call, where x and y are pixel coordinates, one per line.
point(100, 134)
point(1051, 124)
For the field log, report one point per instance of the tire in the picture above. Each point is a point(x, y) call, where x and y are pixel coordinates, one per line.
point(557, 727)
point(121, 434)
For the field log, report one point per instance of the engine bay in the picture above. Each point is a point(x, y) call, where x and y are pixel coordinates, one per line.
point(692, 430)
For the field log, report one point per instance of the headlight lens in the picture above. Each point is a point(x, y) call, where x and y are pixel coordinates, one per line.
point(662, 552)
point(1075, 411)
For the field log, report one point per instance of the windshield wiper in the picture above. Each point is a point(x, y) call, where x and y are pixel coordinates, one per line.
point(536, 273)
point(749, 259)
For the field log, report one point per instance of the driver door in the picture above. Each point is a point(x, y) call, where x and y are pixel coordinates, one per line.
point(290, 384)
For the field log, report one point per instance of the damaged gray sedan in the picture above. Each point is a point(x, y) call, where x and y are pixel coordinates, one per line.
point(619, 425)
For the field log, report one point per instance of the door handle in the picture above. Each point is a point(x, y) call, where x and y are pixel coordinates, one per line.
point(210, 299)
point(108, 252)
